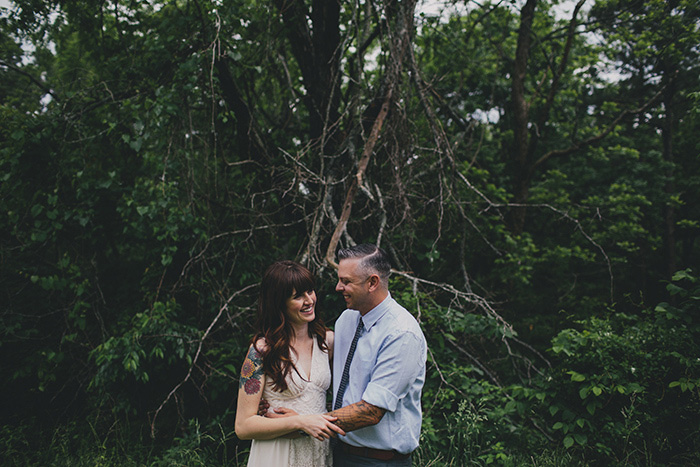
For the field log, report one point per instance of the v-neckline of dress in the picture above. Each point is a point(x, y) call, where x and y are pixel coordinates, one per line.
point(300, 368)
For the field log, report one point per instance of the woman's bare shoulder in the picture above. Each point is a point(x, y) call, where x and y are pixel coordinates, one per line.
point(261, 345)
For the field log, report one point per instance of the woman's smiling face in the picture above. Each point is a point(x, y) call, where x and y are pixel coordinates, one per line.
point(301, 307)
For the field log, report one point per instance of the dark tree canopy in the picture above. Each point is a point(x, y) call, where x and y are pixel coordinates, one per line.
point(531, 167)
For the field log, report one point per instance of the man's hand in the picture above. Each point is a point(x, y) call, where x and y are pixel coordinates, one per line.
point(262, 407)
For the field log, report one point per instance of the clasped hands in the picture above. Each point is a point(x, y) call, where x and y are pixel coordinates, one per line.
point(319, 426)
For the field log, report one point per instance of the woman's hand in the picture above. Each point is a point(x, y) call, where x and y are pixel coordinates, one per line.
point(320, 426)
point(279, 412)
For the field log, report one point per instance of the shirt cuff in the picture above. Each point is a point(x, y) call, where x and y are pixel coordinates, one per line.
point(381, 397)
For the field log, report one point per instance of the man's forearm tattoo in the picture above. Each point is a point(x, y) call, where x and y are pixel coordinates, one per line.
point(357, 415)
point(251, 372)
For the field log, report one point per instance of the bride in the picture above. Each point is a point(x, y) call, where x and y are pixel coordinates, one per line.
point(288, 365)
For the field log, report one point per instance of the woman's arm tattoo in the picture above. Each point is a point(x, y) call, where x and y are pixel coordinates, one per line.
point(251, 372)
point(357, 415)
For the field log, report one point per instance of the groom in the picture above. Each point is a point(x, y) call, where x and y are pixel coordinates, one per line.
point(378, 365)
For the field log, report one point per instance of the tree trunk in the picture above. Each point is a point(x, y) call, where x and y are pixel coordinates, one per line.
point(318, 55)
point(521, 161)
point(670, 188)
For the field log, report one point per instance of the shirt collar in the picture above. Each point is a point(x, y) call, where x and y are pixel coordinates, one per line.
point(377, 312)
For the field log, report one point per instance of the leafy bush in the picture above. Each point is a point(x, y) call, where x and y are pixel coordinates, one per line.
point(626, 387)
point(469, 416)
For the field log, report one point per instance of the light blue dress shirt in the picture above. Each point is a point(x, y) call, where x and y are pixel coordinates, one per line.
point(387, 370)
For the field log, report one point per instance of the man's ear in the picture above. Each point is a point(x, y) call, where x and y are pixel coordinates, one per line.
point(374, 282)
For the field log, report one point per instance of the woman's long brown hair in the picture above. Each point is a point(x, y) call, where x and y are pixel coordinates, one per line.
point(279, 282)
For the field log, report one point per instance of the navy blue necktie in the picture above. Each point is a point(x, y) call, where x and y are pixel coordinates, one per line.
point(346, 371)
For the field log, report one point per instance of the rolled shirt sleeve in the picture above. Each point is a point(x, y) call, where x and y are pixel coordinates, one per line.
point(400, 362)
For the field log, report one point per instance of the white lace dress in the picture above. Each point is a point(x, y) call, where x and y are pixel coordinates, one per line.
point(305, 397)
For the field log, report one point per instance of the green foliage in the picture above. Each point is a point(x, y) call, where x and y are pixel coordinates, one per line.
point(204, 445)
point(153, 343)
point(469, 436)
point(156, 156)
point(468, 418)
point(86, 444)
point(625, 389)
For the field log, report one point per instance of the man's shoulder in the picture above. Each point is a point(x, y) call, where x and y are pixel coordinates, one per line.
point(402, 321)
point(345, 317)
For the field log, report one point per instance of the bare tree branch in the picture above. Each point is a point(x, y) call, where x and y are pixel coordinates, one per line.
point(196, 356)
point(357, 181)
point(34, 80)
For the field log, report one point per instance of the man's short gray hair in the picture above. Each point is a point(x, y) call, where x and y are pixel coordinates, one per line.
point(374, 259)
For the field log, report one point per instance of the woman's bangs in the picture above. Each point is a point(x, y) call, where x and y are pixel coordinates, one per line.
point(302, 281)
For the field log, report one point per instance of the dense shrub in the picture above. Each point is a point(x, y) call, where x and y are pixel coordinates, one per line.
point(626, 388)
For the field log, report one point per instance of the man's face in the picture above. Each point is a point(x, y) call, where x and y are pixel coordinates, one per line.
point(352, 285)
